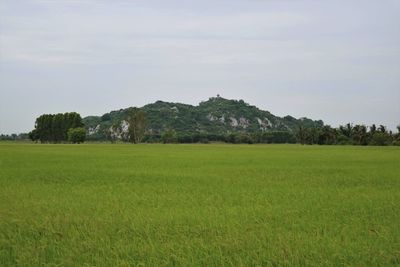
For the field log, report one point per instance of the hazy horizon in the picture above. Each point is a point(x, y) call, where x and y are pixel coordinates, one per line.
point(338, 61)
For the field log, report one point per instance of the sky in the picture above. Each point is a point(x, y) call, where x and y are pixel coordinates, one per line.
point(335, 60)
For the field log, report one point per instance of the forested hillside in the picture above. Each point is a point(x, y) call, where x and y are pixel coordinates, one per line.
point(211, 119)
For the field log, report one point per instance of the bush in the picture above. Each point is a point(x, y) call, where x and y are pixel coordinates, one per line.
point(380, 139)
point(277, 137)
point(169, 136)
point(151, 138)
point(396, 143)
point(185, 139)
point(343, 140)
point(76, 135)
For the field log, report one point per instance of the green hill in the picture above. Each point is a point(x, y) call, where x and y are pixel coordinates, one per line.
point(217, 116)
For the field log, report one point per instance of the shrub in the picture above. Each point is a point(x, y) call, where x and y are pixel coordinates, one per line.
point(396, 143)
point(76, 135)
point(380, 139)
point(169, 136)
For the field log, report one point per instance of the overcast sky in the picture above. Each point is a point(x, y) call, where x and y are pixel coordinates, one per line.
point(338, 61)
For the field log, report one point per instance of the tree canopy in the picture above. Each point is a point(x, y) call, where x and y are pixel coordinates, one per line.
point(54, 128)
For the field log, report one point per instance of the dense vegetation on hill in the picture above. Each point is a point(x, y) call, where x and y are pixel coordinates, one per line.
point(217, 119)
point(214, 120)
point(231, 121)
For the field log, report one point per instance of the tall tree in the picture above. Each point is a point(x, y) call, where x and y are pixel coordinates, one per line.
point(360, 135)
point(58, 130)
point(312, 136)
point(137, 121)
point(327, 135)
point(346, 130)
point(301, 134)
point(372, 129)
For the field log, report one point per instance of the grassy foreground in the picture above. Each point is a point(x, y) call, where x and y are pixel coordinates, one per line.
point(199, 205)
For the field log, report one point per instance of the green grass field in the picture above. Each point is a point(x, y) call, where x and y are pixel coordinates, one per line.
point(199, 205)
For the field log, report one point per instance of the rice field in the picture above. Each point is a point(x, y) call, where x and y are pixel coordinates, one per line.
point(199, 205)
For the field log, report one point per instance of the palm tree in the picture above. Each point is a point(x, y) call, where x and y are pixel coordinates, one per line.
point(372, 129)
point(346, 130)
point(327, 135)
point(360, 134)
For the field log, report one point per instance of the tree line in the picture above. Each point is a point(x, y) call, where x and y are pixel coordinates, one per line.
point(14, 137)
point(62, 127)
point(271, 137)
point(326, 135)
point(57, 128)
point(348, 135)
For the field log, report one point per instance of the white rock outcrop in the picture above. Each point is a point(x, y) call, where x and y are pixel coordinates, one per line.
point(93, 130)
